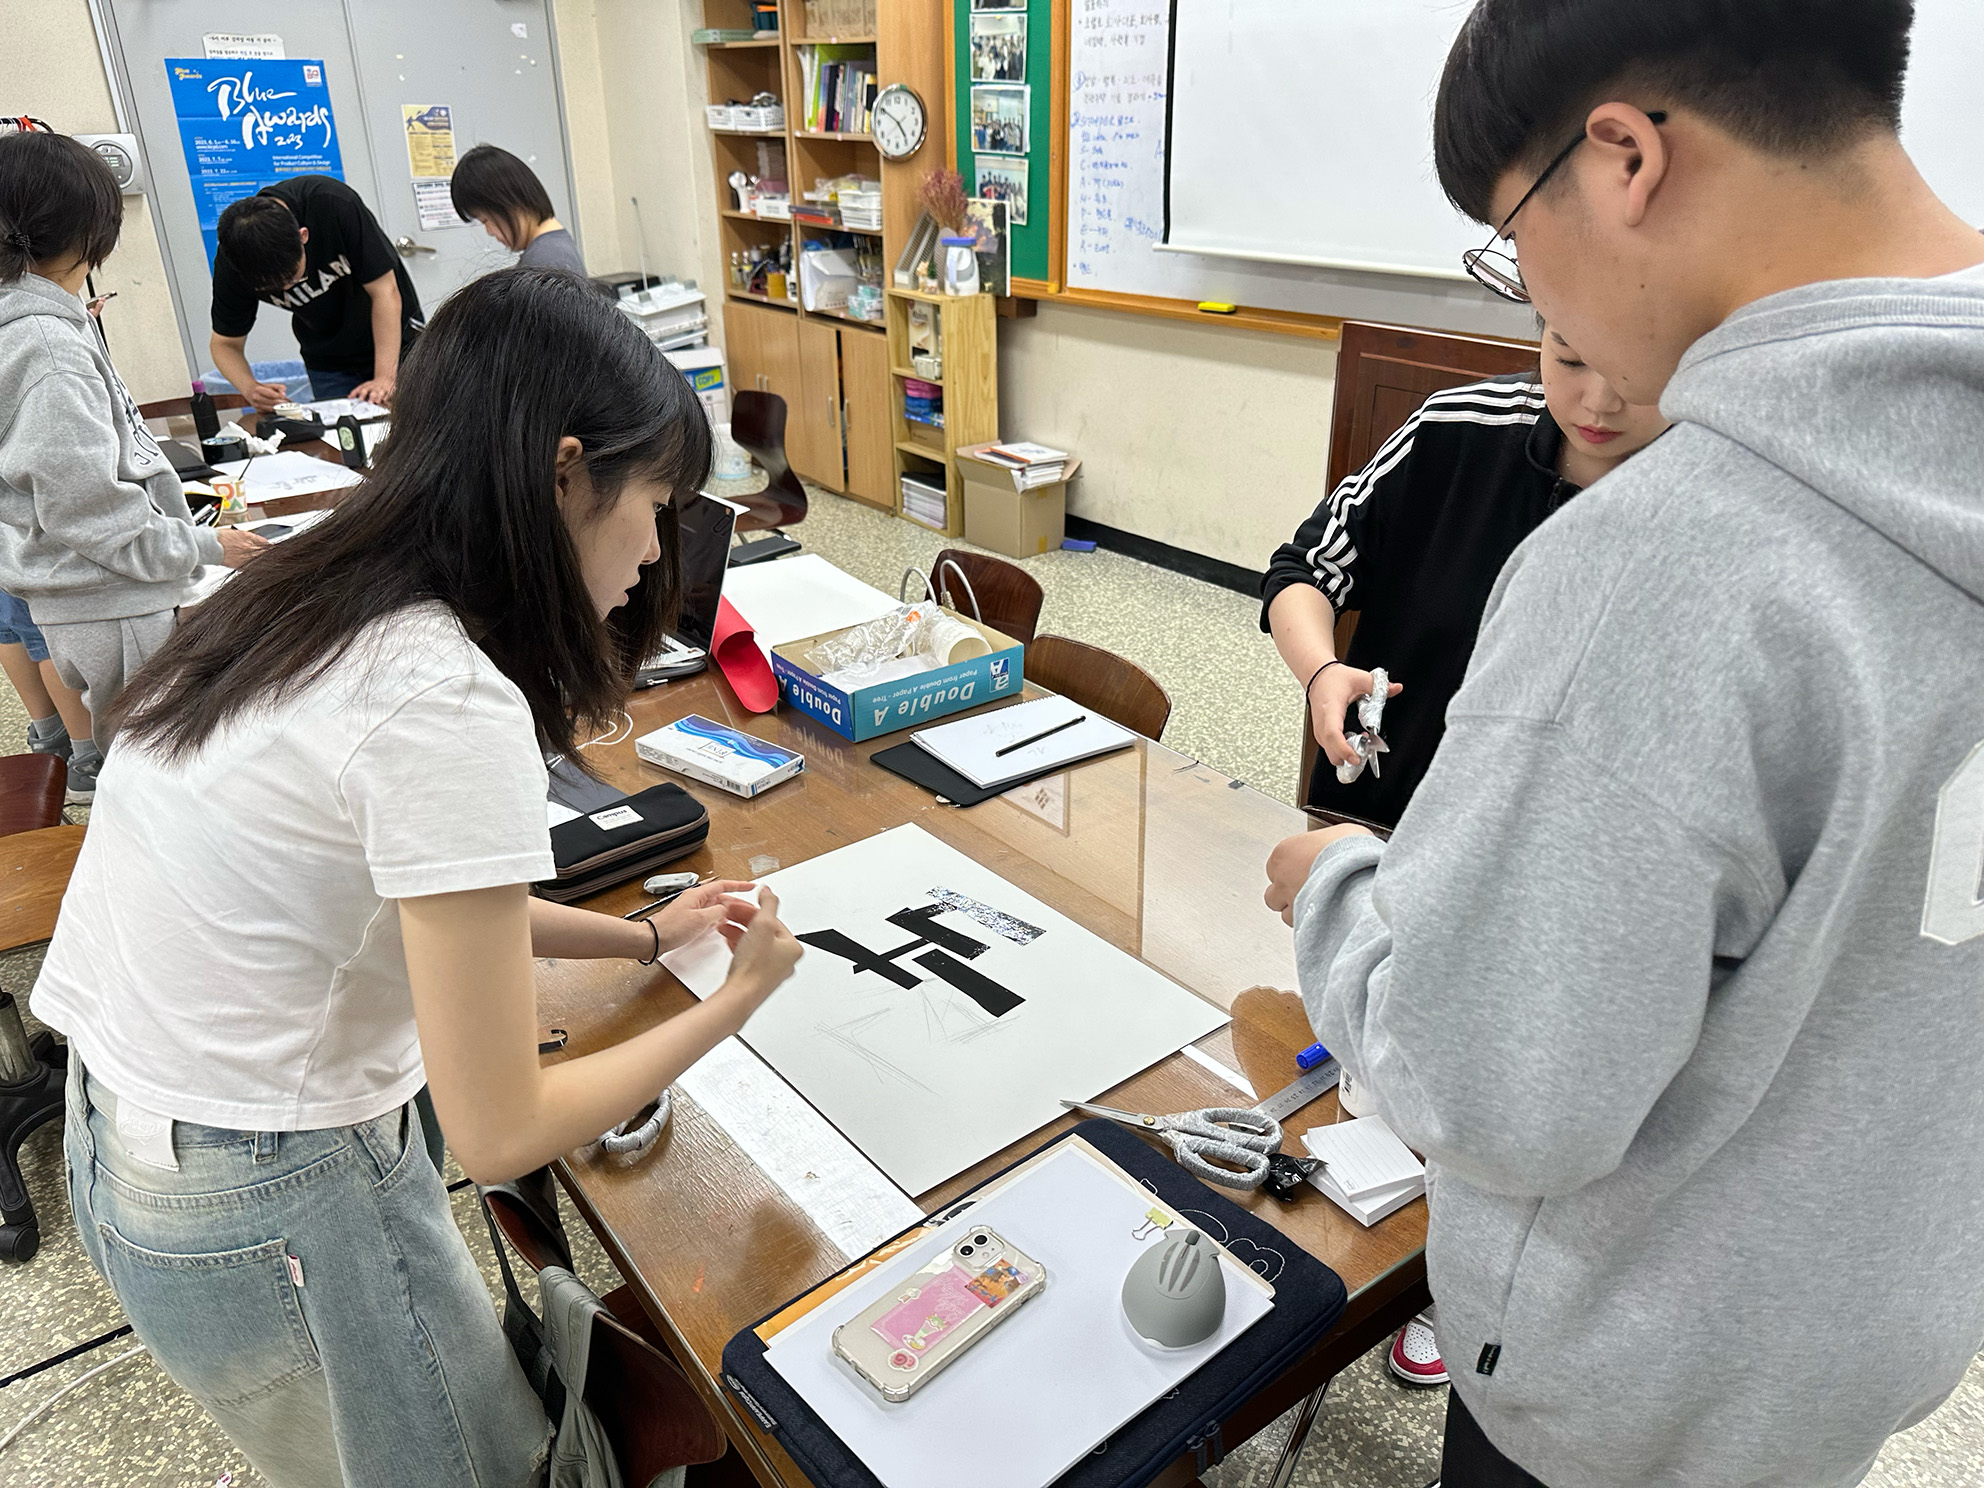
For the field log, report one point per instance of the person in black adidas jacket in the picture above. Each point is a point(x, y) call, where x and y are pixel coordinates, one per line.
point(1414, 542)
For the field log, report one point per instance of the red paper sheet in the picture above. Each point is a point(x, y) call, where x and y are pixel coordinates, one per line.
point(744, 667)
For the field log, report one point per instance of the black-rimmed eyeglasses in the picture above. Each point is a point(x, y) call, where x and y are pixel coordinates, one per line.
point(1496, 270)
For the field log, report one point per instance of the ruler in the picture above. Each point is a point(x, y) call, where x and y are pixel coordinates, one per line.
point(1292, 1097)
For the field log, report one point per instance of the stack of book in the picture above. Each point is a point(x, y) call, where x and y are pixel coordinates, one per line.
point(708, 35)
point(840, 86)
point(1031, 464)
point(925, 501)
point(922, 402)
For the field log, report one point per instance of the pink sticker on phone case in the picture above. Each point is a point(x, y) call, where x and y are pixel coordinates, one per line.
point(928, 1312)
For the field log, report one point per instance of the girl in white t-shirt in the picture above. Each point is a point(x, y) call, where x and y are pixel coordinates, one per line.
point(304, 894)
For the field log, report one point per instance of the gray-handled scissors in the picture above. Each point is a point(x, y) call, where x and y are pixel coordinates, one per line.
point(1203, 1139)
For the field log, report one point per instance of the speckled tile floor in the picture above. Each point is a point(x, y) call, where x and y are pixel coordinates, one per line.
point(133, 1428)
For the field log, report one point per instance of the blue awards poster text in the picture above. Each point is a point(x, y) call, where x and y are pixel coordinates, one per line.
point(248, 122)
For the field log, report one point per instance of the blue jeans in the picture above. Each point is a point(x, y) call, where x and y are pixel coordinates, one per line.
point(17, 627)
point(325, 384)
point(309, 1289)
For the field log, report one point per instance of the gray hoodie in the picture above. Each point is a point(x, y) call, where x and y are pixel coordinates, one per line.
point(1675, 967)
point(93, 522)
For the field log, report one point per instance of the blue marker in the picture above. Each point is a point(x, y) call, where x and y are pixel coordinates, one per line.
point(1312, 1056)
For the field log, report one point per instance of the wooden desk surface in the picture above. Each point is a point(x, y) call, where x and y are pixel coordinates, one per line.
point(1148, 849)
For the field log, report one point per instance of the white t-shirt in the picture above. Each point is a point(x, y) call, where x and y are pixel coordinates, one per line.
point(229, 949)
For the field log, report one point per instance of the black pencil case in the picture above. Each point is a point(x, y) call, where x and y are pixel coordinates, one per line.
point(633, 836)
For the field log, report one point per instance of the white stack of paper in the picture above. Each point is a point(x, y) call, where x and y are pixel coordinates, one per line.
point(1366, 1169)
point(1031, 464)
point(991, 751)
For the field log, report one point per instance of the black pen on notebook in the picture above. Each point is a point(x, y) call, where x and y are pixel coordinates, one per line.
point(1043, 734)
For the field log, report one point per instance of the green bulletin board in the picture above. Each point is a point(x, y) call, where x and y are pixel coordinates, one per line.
point(1031, 255)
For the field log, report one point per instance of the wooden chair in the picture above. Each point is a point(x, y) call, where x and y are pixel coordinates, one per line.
point(650, 1411)
point(1008, 596)
point(34, 871)
point(173, 407)
point(757, 423)
point(1383, 374)
point(32, 788)
point(1112, 685)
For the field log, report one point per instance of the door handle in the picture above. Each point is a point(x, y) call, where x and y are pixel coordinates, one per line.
point(408, 247)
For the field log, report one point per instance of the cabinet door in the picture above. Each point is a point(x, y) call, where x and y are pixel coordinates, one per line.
point(864, 379)
point(762, 348)
point(812, 425)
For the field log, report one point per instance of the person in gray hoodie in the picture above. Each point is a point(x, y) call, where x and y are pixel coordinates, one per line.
point(95, 533)
point(1673, 969)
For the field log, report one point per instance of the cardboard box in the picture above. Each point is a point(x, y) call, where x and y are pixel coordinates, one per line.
point(703, 366)
point(999, 516)
point(901, 702)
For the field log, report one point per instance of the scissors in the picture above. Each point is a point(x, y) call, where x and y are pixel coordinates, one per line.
point(1243, 1140)
point(1367, 745)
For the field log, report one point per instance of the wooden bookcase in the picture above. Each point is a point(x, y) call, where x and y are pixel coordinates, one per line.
point(967, 332)
point(831, 369)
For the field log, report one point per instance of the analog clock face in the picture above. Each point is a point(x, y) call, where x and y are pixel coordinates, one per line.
point(898, 122)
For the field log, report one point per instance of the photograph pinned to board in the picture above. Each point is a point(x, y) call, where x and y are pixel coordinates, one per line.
point(999, 118)
point(940, 1013)
point(998, 47)
point(998, 4)
point(987, 221)
point(1001, 178)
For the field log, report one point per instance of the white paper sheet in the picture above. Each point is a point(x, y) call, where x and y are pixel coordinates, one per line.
point(1042, 1389)
point(287, 473)
point(927, 1079)
point(793, 598)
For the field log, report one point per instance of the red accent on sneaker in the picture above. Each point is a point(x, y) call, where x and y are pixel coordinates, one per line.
point(1415, 1355)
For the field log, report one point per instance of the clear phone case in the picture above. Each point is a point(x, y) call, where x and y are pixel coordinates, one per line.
point(899, 1342)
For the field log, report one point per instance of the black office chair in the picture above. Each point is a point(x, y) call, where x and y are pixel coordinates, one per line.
point(757, 423)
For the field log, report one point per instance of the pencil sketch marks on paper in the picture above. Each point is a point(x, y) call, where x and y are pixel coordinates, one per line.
point(959, 1003)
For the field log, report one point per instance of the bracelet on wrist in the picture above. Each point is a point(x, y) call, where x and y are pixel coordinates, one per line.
point(654, 955)
point(1333, 661)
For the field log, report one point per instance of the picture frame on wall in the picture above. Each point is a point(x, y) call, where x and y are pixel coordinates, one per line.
point(977, 5)
point(999, 114)
point(1003, 178)
point(998, 47)
point(989, 226)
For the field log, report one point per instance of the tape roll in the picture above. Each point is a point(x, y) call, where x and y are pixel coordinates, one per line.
point(946, 641)
point(646, 1124)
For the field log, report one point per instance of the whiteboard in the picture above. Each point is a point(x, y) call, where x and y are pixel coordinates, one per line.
point(1256, 75)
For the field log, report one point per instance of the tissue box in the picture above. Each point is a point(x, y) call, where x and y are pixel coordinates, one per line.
point(900, 702)
point(708, 751)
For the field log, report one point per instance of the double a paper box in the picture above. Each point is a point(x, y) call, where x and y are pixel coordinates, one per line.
point(900, 702)
point(705, 750)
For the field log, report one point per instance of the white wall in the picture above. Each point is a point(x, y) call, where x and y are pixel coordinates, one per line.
point(50, 68)
point(1209, 438)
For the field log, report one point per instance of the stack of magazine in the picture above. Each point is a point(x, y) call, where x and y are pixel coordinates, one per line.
point(1031, 464)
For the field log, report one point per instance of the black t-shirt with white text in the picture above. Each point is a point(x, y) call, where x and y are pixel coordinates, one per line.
point(330, 312)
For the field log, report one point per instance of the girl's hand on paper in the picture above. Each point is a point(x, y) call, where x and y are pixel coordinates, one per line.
point(1331, 697)
point(706, 907)
point(238, 545)
point(763, 952)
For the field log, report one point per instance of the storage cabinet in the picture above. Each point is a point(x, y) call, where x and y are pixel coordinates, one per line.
point(864, 366)
point(824, 373)
point(812, 425)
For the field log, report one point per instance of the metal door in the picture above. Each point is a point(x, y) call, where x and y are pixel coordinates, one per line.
point(501, 87)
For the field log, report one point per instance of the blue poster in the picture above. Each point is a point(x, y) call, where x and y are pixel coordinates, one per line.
point(248, 122)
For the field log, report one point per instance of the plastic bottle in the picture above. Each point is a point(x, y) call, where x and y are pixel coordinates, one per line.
point(206, 419)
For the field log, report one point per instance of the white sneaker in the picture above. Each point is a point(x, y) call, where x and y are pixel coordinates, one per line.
point(1415, 1353)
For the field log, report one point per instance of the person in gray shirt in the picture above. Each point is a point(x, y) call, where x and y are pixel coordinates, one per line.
point(495, 188)
point(1672, 969)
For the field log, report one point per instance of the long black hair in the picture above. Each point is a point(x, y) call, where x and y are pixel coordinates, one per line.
point(462, 509)
point(491, 182)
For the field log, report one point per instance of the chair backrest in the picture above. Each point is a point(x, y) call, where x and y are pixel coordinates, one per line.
point(1112, 685)
point(757, 423)
point(1383, 374)
point(172, 407)
point(1008, 596)
point(34, 874)
point(32, 788)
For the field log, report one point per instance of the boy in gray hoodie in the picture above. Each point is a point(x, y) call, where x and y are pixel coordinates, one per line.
point(95, 533)
point(1674, 968)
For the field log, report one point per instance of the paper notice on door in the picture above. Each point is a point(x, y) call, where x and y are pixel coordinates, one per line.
point(430, 139)
point(242, 44)
point(431, 199)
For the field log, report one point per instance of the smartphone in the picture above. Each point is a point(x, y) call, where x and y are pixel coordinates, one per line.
point(934, 1315)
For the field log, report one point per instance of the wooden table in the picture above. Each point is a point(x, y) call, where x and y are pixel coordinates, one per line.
point(1149, 849)
point(180, 427)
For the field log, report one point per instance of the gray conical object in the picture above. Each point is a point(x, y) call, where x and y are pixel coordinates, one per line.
point(1175, 1295)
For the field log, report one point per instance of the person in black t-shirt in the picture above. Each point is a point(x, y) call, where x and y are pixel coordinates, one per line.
point(1415, 540)
point(310, 246)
